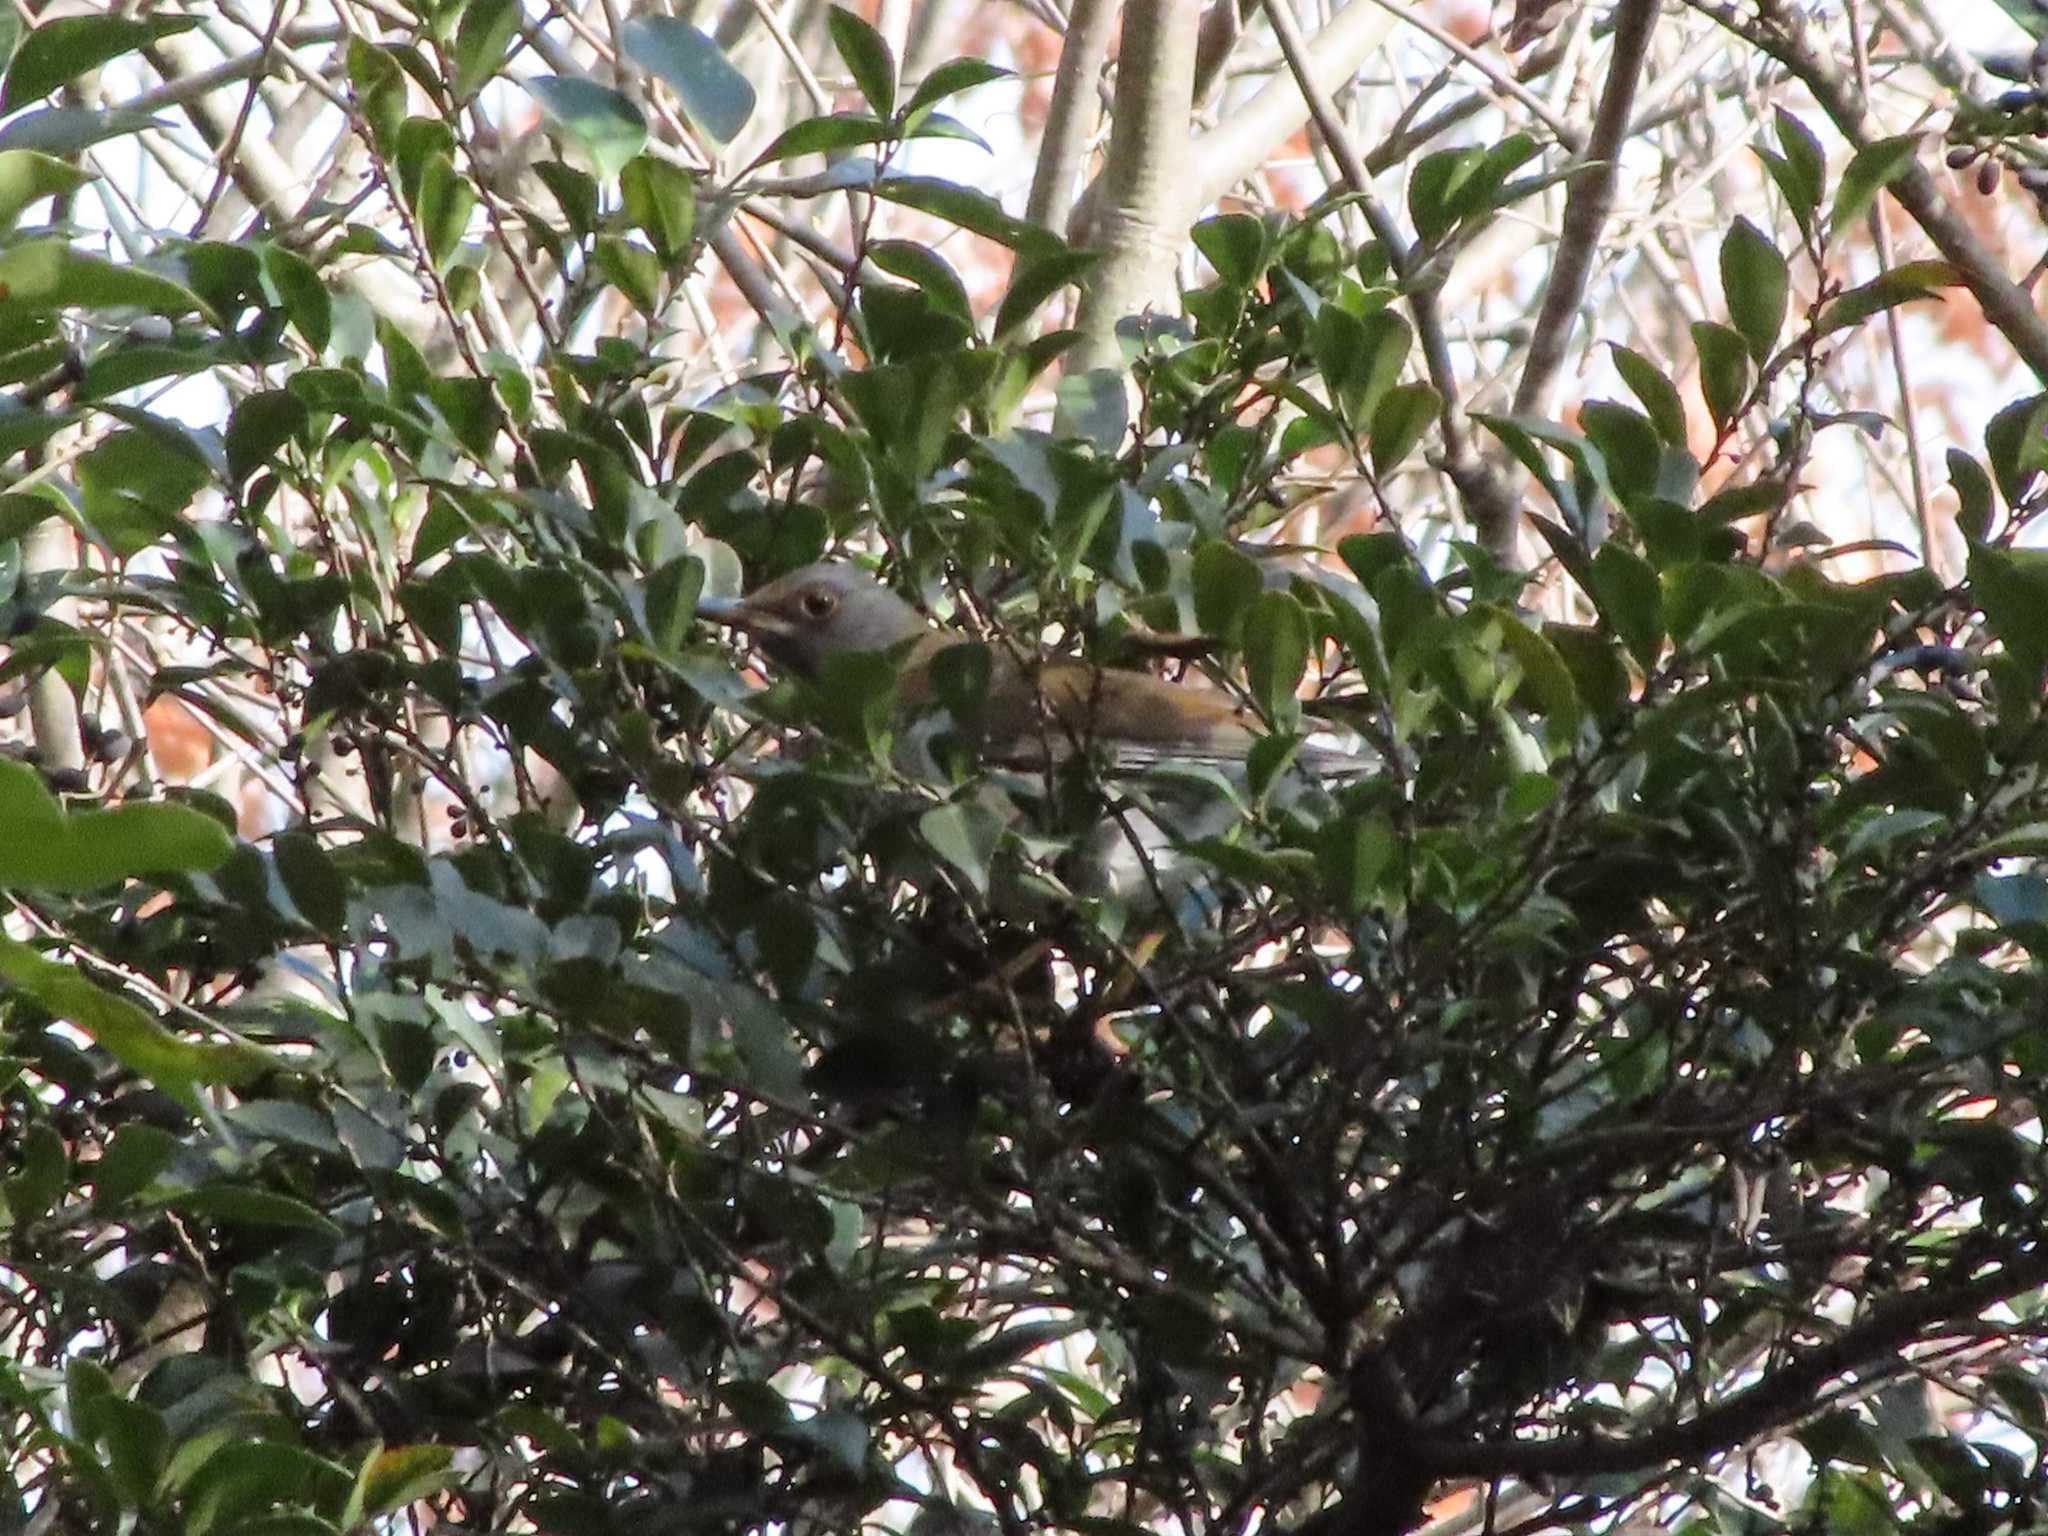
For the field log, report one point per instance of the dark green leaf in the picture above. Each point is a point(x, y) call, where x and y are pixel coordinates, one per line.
point(1631, 600)
point(292, 283)
point(1628, 443)
point(1973, 495)
point(483, 42)
point(607, 127)
point(136, 1156)
point(1433, 187)
point(973, 211)
point(57, 52)
point(1806, 167)
point(258, 427)
point(27, 176)
point(1359, 358)
point(1403, 415)
point(445, 203)
point(1235, 245)
point(49, 274)
point(1658, 396)
point(1901, 285)
point(1036, 278)
point(867, 59)
point(1724, 369)
point(965, 835)
point(1226, 583)
point(1873, 168)
point(131, 1036)
point(1276, 644)
point(950, 79)
point(1757, 285)
point(823, 135)
point(715, 96)
point(923, 266)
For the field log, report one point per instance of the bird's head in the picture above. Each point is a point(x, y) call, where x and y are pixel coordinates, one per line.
point(821, 610)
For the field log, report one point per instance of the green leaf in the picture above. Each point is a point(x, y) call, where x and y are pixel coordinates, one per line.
point(1724, 369)
point(1757, 285)
point(965, 835)
point(259, 426)
point(314, 882)
point(1036, 278)
point(2011, 587)
point(867, 58)
point(67, 130)
point(1226, 583)
point(661, 201)
point(43, 849)
point(934, 277)
point(1901, 285)
point(59, 51)
point(138, 1153)
point(445, 202)
point(134, 483)
point(138, 1445)
point(823, 135)
point(632, 269)
point(380, 91)
point(1870, 170)
point(483, 42)
point(1543, 669)
point(1236, 245)
point(125, 1032)
point(1631, 600)
point(1627, 442)
point(974, 211)
point(607, 127)
point(950, 79)
point(1973, 495)
point(716, 97)
point(1359, 358)
point(394, 1478)
point(1433, 187)
point(1806, 167)
point(49, 275)
point(238, 1205)
point(291, 282)
point(27, 177)
point(1658, 395)
point(1276, 642)
point(1402, 416)
point(2016, 443)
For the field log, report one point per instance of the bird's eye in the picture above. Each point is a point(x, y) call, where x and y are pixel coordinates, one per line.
point(458, 1059)
point(819, 605)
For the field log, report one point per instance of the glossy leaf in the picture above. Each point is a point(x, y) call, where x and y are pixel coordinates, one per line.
point(717, 98)
point(607, 127)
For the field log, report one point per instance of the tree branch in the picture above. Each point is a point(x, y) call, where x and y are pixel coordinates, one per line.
point(1074, 113)
point(1778, 1398)
point(1143, 210)
point(1586, 206)
point(2006, 305)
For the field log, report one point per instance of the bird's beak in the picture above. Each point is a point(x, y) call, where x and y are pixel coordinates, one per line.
point(762, 624)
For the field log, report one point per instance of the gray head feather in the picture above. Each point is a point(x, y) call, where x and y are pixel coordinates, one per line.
point(821, 610)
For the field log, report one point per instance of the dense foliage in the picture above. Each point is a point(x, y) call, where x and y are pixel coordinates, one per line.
point(578, 1084)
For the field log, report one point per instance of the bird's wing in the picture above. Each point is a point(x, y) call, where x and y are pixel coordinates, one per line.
point(1134, 720)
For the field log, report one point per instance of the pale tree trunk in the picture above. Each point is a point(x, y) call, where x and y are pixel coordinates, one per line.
point(1140, 223)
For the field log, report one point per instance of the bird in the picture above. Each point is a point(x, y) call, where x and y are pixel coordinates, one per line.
point(1187, 743)
point(1033, 712)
